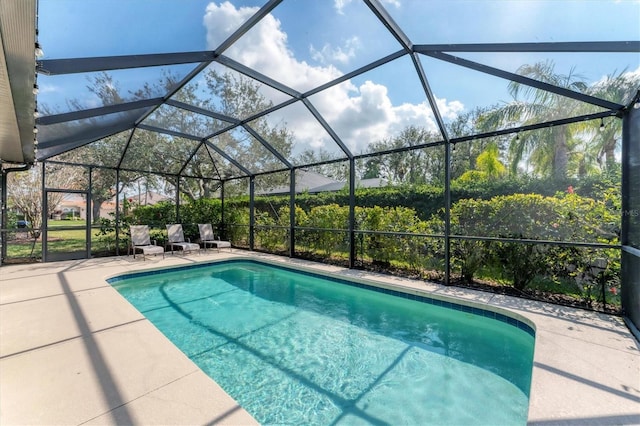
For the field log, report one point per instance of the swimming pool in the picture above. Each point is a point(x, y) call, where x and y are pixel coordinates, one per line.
point(293, 347)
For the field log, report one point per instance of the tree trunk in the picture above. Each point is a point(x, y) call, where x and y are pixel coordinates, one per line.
point(560, 155)
point(609, 154)
point(96, 204)
point(95, 211)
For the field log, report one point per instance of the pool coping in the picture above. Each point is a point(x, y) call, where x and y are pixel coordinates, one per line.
point(63, 327)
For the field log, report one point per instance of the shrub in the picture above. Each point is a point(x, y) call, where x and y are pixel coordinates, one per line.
point(236, 226)
point(269, 235)
point(328, 219)
point(521, 262)
point(385, 248)
point(157, 215)
point(565, 217)
point(203, 210)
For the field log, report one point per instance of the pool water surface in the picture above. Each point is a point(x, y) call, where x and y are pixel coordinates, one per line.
point(295, 348)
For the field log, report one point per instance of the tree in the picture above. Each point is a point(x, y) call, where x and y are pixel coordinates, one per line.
point(26, 195)
point(548, 149)
point(616, 88)
point(489, 162)
point(239, 98)
point(109, 151)
point(338, 170)
point(464, 154)
point(177, 154)
point(488, 166)
point(584, 160)
point(413, 167)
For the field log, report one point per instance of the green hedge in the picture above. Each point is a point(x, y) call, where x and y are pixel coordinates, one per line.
point(550, 211)
point(428, 200)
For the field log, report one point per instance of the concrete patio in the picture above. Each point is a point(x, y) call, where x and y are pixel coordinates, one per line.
point(73, 351)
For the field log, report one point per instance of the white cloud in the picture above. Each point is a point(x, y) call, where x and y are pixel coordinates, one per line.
point(359, 115)
point(49, 88)
point(338, 54)
point(264, 48)
point(395, 3)
point(631, 81)
point(633, 75)
point(366, 114)
point(54, 98)
point(340, 4)
point(630, 77)
point(449, 110)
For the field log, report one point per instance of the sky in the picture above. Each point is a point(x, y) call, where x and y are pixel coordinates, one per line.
point(305, 43)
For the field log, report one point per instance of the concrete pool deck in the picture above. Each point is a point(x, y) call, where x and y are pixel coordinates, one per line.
point(73, 351)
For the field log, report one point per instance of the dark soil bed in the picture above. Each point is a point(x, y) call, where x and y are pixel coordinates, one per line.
point(481, 285)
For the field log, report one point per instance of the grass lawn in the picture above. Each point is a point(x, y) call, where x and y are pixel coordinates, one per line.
point(60, 240)
point(66, 240)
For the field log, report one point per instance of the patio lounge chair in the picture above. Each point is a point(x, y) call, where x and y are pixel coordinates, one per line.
point(140, 241)
point(209, 239)
point(176, 239)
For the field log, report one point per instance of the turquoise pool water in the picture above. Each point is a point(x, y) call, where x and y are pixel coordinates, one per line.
point(294, 348)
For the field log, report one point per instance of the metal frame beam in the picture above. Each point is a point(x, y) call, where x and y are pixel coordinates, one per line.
point(202, 111)
point(292, 213)
point(386, 19)
point(227, 157)
point(430, 96)
point(267, 145)
point(170, 132)
point(630, 136)
point(257, 17)
point(328, 128)
point(529, 127)
point(95, 112)
point(125, 148)
point(107, 63)
point(574, 46)
point(191, 155)
point(125, 169)
point(252, 208)
point(111, 63)
point(355, 73)
point(352, 212)
point(447, 159)
point(524, 80)
point(251, 73)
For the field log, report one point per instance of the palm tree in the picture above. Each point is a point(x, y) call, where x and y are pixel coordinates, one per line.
point(547, 149)
point(584, 158)
point(606, 133)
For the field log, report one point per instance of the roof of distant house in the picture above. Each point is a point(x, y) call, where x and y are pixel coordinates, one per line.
point(312, 182)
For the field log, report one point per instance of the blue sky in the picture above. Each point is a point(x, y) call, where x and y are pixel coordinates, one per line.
point(306, 43)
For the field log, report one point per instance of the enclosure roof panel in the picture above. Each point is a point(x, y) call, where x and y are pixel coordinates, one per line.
point(520, 21)
point(113, 27)
point(281, 84)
